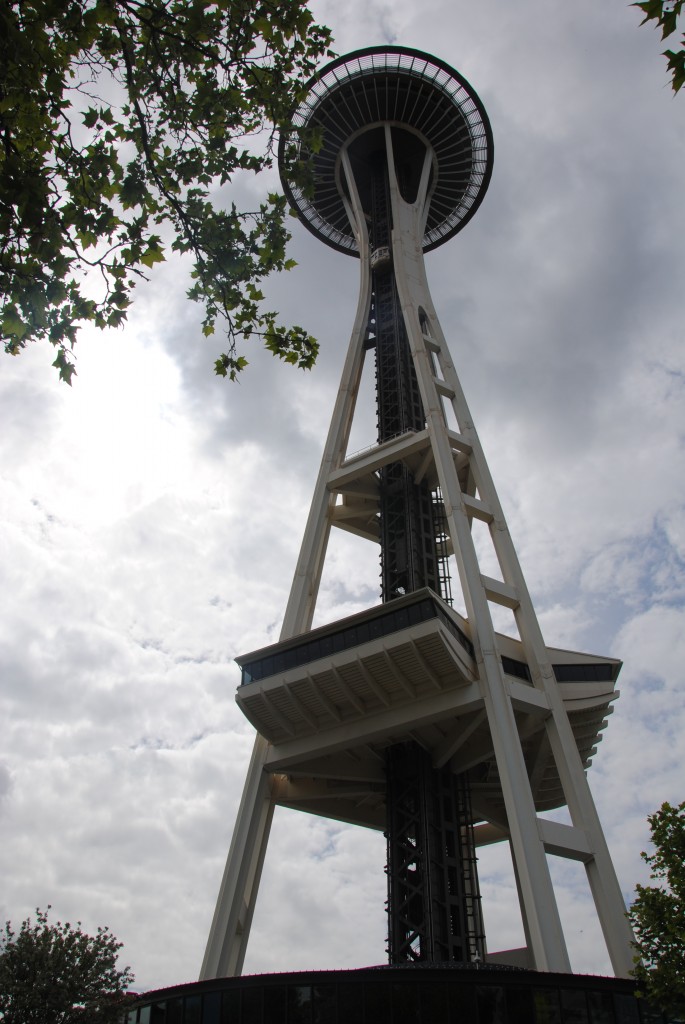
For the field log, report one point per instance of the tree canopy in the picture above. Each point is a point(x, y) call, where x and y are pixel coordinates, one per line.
point(56, 974)
point(121, 123)
point(658, 914)
point(665, 14)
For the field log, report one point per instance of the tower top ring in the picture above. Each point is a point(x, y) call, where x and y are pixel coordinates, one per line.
point(408, 89)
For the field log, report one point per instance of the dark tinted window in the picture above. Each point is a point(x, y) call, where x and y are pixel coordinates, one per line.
point(402, 618)
point(519, 1005)
point(349, 1002)
point(516, 668)
point(324, 1005)
point(405, 1003)
point(299, 1004)
point(274, 1003)
point(377, 1003)
point(573, 1006)
point(174, 1011)
point(375, 629)
point(211, 1008)
point(547, 1009)
point(626, 1009)
point(491, 1005)
point(601, 1008)
point(434, 1001)
point(252, 1006)
point(351, 636)
point(583, 673)
point(193, 1010)
point(462, 1002)
point(230, 1006)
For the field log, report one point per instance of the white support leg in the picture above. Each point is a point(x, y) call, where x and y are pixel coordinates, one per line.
point(543, 926)
point(305, 587)
point(235, 905)
point(600, 870)
point(230, 929)
point(604, 885)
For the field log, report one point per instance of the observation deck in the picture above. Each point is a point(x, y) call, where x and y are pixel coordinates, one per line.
point(331, 700)
point(426, 102)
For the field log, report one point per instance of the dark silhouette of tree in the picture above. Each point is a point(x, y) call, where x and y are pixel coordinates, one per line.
point(56, 974)
point(658, 914)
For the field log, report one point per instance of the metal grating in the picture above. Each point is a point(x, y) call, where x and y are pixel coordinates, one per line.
point(406, 88)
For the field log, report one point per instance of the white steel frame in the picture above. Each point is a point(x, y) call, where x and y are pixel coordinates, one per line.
point(531, 837)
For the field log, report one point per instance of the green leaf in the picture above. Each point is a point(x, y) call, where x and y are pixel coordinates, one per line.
point(676, 65)
point(151, 256)
point(12, 324)
point(67, 370)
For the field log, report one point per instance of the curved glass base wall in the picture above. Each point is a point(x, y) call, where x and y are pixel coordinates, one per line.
point(434, 994)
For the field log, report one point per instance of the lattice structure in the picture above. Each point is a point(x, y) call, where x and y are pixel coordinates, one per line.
point(409, 717)
point(433, 895)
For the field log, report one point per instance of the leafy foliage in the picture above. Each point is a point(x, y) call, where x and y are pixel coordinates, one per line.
point(121, 121)
point(658, 913)
point(666, 13)
point(56, 974)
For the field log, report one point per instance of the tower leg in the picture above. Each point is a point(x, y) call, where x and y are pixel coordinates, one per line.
point(230, 929)
point(547, 940)
point(235, 905)
point(604, 885)
point(302, 600)
point(528, 846)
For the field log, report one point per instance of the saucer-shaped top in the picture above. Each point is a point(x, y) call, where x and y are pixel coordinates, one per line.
point(420, 97)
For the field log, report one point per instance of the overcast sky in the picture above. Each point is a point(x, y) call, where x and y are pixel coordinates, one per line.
point(153, 513)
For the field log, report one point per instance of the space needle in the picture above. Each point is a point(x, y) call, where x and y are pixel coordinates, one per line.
point(417, 717)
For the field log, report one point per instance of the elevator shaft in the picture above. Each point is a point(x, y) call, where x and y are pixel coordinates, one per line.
point(408, 548)
point(433, 897)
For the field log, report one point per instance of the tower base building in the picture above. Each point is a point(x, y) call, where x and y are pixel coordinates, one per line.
point(416, 717)
point(440, 994)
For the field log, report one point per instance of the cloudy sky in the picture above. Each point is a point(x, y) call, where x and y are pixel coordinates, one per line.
point(153, 513)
